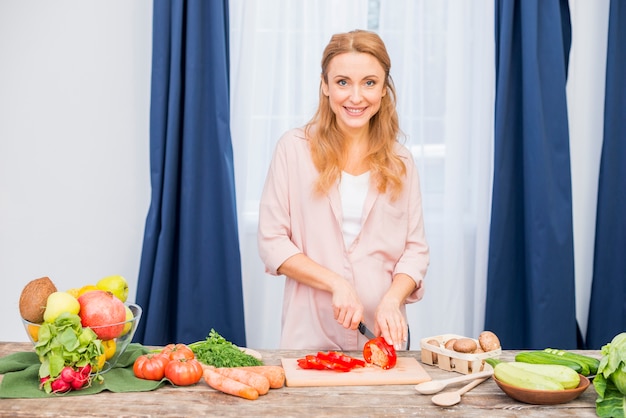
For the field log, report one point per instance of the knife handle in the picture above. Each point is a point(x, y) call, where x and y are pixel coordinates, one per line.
point(365, 331)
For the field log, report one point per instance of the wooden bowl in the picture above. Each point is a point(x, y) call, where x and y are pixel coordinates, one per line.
point(543, 397)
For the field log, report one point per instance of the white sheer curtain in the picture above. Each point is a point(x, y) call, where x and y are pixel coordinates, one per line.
point(443, 58)
point(585, 106)
point(276, 48)
point(442, 64)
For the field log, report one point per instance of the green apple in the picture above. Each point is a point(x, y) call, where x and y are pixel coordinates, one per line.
point(115, 284)
point(58, 303)
point(128, 325)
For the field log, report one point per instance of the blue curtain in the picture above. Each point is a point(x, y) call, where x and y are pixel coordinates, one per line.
point(607, 311)
point(190, 273)
point(530, 282)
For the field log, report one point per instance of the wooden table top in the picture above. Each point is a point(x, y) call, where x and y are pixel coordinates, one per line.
point(345, 401)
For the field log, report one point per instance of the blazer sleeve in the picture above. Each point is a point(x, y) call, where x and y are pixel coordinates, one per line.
point(274, 229)
point(416, 257)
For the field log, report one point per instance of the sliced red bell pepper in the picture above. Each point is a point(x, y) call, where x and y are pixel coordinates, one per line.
point(311, 362)
point(332, 360)
point(377, 352)
point(336, 367)
point(341, 358)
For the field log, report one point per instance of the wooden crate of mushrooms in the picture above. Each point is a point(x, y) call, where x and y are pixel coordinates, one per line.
point(460, 354)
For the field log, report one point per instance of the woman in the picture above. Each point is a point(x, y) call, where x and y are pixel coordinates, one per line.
point(341, 213)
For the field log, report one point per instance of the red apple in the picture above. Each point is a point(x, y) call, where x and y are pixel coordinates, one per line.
point(99, 310)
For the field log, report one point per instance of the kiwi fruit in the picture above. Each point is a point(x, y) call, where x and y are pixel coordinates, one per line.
point(34, 298)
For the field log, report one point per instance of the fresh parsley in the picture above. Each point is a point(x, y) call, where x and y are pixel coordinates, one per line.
point(218, 352)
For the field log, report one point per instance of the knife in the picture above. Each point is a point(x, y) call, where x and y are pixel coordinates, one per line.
point(365, 331)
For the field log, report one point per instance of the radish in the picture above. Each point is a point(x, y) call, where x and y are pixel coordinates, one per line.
point(79, 381)
point(67, 374)
point(43, 380)
point(85, 370)
point(60, 386)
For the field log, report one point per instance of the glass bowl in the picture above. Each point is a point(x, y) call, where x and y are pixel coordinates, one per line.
point(121, 342)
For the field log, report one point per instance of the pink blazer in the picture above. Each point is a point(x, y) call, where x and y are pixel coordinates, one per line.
point(293, 220)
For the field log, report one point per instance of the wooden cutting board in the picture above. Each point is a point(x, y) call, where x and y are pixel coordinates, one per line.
point(407, 371)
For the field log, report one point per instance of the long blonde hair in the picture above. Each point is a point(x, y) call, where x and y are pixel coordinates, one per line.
point(326, 141)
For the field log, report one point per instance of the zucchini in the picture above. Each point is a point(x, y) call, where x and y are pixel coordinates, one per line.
point(562, 374)
point(492, 361)
point(543, 357)
point(592, 363)
point(514, 376)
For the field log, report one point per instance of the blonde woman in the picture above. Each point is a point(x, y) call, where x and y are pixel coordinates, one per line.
point(341, 211)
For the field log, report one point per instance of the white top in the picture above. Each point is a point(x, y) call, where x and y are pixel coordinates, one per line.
point(353, 190)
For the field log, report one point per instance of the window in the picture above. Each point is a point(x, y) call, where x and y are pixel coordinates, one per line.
point(442, 59)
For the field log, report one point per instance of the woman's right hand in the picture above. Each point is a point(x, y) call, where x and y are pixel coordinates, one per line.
point(347, 306)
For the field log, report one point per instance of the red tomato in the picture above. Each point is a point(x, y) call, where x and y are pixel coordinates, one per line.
point(184, 372)
point(376, 351)
point(177, 352)
point(150, 366)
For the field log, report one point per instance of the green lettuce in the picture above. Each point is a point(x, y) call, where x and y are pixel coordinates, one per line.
point(610, 381)
point(65, 342)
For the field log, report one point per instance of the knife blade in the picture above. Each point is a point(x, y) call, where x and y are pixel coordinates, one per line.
point(365, 331)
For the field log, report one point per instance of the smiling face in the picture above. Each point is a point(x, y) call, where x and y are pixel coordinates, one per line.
point(355, 86)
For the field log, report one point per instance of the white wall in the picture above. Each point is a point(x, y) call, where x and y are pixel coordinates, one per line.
point(74, 136)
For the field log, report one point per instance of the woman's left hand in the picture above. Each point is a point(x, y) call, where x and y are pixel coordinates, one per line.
point(390, 323)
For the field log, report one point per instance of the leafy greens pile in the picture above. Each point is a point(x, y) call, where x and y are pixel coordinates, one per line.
point(610, 381)
point(218, 352)
point(65, 342)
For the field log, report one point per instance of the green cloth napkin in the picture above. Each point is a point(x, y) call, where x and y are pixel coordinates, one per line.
point(21, 376)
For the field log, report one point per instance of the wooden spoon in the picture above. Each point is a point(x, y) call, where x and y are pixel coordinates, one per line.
point(434, 386)
point(453, 398)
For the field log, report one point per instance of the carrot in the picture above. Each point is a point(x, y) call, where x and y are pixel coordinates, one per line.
point(227, 385)
point(275, 374)
point(257, 381)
